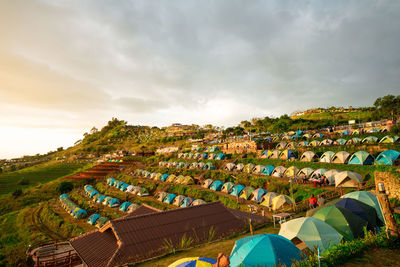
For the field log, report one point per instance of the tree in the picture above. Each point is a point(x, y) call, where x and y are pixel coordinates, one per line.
point(17, 193)
point(388, 106)
point(60, 149)
point(64, 187)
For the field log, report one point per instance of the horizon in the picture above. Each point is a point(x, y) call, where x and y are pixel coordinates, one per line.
point(68, 66)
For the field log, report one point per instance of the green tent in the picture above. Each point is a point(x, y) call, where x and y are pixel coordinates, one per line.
point(370, 140)
point(246, 193)
point(344, 221)
point(312, 231)
point(366, 198)
point(362, 158)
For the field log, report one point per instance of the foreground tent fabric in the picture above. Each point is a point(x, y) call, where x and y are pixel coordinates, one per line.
point(366, 198)
point(365, 211)
point(313, 232)
point(194, 262)
point(344, 221)
point(264, 250)
point(387, 157)
point(138, 237)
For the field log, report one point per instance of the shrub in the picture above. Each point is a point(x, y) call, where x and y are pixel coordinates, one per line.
point(17, 193)
point(64, 187)
point(24, 181)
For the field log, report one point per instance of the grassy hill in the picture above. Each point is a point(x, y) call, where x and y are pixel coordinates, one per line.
point(340, 116)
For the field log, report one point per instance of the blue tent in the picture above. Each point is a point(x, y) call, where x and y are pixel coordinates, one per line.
point(63, 196)
point(387, 157)
point(264, 250)
point(258, 194)
point(220, 156)
point(361, 158)
point(204, 156)
point(236, 190)
point(93, 193)
point(79, 213)
point(365, 211)
point(347, 132)
point(124, 206)
point(100, 198)
point(216, 185)
point(112, 202)
point(110, 181)
point(169, 198)
point(299, 132)
point(186, 202)
point(268, 138)
point(123, 186)
point(164, 177)
point(93, 218)
point(117, 183)
point(267, 170)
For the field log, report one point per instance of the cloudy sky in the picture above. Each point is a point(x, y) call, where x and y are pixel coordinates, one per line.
point(66, 66)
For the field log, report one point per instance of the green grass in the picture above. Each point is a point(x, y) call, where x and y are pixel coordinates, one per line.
point(337, 115)
point(35, 175)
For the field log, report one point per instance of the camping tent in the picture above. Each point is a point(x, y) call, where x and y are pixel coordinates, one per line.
point(275, 154)
point(278, 171)
point(240, 167)
point(216, 185)
point(188, 180)
point(318, 172)
point(267, 170)
point(258, 169)
point(187, 202)
point(161, 196)
point(169, 198)
point(193, 262)
point(353, 141)
point(266, 154)
point(330, 176)
point(248, 168)
point(236, 190)
point(302, 144)
point(343, 220)
point(315, 143)
point(101, 221)
point(389, 139)
point(198, 202)
point(257, 194)
point(99, 198)
point(141, 191)
point(230, 166)
point(281, 145)
point(370, 140)
point(291, 145)
point(307, 171)
point(93, 218)
point(178, 200)
point(326, 142)
point(124, 206)
point(347, 179)
point(318, 135)
point(366, 198)
point(313, 232)
point(287, 154)
point(281, 201)
point(361, 209)
point(180, 179)
point(291, 171)
point(340, 142)
point(264, 250)
point(220, 156)
point(110, 181)
point(208, 166)
point(341, 157)
point(387, 157)
point(246, 192)
point(327, 157)
point(132, 207)
point(227, 187)
point(309, 156)
point(266, 200)
point(207, 183)
point(164, 177)
point(171, 178)
point(79, 213)
point(361, 158)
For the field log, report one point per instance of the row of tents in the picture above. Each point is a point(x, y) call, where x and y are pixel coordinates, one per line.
point(177, 179)
point(261, 196)
point(388, 139)
point(333, 176)
point(343, 218)
point(187, 165)
point(124, 187)
point(214, 156)
point(327, 227)
point(70, 207)
point(178, 200)
point(387, 157)
point(97, 220)
point(112, 202)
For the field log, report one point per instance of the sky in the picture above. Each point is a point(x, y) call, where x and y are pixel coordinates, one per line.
point(66, 66)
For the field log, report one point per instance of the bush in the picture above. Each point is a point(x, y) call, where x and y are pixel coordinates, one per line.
point(17, 193)
point(24, 181)
point(64, 187)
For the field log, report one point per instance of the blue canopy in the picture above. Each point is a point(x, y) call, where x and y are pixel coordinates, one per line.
point(258, 194)
point(93, 218)
point(204, 155)
point(124, 206)
point(267, 170)
point(186, 202)
point(236, 190)
point(220, 156)
point(169, 198)
point(110, 181)
point(100, 198)
point(93, 193)
point(63, 196)
point(123, 186)
point(387, 157)
point(194, 262)
point(264, 250)
point(216, 185)
point(164, 177)
point(80, 213)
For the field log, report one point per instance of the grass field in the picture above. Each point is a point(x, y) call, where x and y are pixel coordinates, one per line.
point(336, 115)
point(37, 174)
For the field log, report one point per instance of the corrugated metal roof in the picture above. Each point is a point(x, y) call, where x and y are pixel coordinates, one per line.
point(144, 236)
